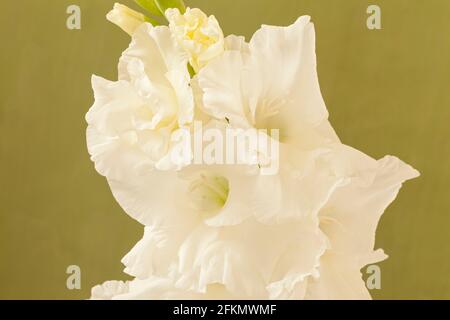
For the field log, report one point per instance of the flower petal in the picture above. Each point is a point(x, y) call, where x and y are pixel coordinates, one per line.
point(165, 64)
point(220, 83)
point(351, 216)
point(282, 80)
point(248, 257)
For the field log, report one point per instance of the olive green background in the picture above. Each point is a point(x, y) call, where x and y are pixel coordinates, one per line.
point(387, 92)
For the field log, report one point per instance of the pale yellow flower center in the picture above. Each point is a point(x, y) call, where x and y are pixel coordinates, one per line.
point(209, 193)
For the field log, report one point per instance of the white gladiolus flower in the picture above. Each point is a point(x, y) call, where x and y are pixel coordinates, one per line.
point(226, 231)
point(127, 19)
point(132, 120)
point(271, 82)
point(250, 260)
point(313, 260)
point(200, 35)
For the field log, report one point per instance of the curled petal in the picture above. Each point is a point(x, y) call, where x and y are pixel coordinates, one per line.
point(249, 257)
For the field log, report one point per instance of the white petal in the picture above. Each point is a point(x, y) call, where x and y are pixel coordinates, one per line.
point(110, 134)
point(340, 279)
point(220, 82)
point(156, 48)
point(248, 257)
point(114, 103)
point(150, 199)
point(351, 216)
point(233, 42)
point(109, 290)
point(302, 187)
point(116, 157)
point(273, 84)
point(154, 253)
point(282, 76)
point(165, 64)
point(156, 288)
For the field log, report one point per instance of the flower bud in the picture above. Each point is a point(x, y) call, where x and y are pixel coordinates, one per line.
point(127, 19)
point(200, 35)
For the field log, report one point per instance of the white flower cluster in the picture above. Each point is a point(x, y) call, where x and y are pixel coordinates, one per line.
point(227, 231)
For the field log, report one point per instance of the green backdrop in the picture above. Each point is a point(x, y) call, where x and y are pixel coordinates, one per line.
point(387, 92)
